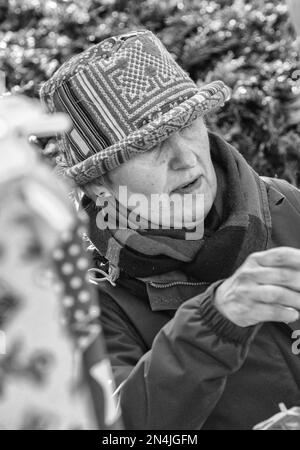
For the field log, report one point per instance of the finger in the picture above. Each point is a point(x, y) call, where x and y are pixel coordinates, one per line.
point(274, 313)
point(278, 295)
point(276, 276)
point(294, 9)
point(278, 257)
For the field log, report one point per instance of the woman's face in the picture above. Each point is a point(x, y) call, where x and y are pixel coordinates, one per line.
point(169, 169)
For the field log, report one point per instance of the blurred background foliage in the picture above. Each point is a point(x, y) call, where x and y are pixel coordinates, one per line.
point(247, 44)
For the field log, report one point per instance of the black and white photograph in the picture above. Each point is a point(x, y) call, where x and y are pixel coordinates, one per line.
point(149, 219)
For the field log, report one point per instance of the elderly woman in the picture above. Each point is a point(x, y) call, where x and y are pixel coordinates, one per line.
point(199, 303)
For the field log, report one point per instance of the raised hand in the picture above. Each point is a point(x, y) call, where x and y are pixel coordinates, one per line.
point(266, 288)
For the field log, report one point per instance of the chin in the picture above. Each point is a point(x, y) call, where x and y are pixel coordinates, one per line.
point(209, 199)
point(208, 205)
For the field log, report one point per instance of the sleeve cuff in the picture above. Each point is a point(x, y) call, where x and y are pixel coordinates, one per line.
point(219, 324)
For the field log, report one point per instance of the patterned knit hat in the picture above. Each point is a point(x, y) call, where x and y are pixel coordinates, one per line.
point(124, 96)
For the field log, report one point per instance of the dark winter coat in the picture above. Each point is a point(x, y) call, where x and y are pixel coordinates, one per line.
point(183, 365)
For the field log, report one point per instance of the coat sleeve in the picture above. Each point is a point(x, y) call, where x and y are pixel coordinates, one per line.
point(178, 382)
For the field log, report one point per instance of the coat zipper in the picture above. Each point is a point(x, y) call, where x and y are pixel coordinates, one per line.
point(176, 283)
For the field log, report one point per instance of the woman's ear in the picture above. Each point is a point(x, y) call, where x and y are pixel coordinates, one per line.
point(100, 190)
point(93, 191)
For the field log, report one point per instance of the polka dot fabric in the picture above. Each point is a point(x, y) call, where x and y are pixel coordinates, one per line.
point(81, 311)
point(81, 316)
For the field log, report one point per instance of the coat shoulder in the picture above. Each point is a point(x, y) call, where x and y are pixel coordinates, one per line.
point(284, 201)
point(292, 193)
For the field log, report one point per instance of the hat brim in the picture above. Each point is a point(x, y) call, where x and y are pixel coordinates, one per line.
point(208, 98)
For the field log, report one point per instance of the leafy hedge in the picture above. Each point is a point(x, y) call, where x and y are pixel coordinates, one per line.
point(248, 44)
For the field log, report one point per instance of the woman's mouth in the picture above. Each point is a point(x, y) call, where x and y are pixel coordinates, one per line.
point(188, 187)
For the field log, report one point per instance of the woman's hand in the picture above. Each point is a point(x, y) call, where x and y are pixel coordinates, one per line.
point(294, 9)
point(266, 288)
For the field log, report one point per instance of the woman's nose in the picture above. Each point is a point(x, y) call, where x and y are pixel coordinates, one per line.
point(181, 155)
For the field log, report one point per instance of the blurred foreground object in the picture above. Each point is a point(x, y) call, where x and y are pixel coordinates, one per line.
point(53, 369)
point(287, 419)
